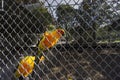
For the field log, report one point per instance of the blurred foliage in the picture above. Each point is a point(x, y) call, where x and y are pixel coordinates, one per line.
point(65, 14)
point(84, 21)
point(68, 17)
point(104, 34)
point(43, 15)
point(27, 1)
point(115, 25)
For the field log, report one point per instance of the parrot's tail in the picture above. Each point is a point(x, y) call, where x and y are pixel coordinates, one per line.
point(17, 74)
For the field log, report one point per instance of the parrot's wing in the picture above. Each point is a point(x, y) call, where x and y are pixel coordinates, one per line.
point(16, 73)
point(40, 37)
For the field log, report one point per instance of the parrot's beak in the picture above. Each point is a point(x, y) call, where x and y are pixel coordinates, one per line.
point(63, 32)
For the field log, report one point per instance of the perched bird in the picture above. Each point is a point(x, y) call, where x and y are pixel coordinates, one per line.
point(25, 67)
point(50, 38)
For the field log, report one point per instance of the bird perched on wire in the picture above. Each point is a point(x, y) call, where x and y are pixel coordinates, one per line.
point(50, 38)
point(25, 67)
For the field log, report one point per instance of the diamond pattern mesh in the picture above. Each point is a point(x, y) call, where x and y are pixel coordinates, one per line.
point(89, 50)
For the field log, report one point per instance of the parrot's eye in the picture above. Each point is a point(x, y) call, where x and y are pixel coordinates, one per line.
point(61, 31)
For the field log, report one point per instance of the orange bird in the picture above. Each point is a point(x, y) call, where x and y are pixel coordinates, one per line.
point(25, 67)
point(50, 38)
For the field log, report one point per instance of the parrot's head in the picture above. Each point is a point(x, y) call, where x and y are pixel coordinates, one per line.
point(61, 31)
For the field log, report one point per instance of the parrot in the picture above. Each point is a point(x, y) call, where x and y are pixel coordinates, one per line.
point(50, 38)
point(25, 67)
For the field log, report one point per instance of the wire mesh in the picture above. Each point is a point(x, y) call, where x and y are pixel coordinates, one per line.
point(89, 50)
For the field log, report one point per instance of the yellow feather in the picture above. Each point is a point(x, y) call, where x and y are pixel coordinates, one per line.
point(42, 59)
point(25, 67)
point(50, 39)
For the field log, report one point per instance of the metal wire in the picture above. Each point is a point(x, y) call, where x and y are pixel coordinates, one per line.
point(89, 50)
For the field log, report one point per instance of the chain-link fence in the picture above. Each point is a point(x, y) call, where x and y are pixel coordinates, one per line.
point(89, 50)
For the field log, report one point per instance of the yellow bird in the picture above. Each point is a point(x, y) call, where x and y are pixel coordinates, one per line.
point(50, 38)
point(25, 67)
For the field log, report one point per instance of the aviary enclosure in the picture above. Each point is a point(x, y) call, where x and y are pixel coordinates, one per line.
point(88, 50)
